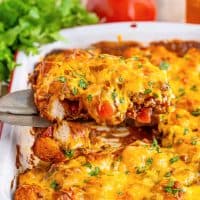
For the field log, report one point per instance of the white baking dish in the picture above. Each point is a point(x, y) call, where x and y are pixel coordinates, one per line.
point(75, 38)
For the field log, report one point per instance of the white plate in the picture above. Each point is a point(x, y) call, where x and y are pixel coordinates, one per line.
point(76, 38)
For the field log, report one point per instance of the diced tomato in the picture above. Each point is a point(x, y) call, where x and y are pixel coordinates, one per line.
point(48, 132)
point(105, 110)
point(144, 116)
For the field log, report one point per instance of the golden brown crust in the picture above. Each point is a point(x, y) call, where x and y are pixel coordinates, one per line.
point(29, 192)
point(53, 143)
point(47, 149)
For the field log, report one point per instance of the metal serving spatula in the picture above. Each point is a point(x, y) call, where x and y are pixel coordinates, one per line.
point(18, 108)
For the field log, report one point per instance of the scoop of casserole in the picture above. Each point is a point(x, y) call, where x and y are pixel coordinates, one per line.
point(76, 84)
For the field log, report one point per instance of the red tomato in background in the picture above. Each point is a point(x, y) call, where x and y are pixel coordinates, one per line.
point(123, 10)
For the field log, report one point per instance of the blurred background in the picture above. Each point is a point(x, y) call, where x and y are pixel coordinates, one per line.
point(160, 10)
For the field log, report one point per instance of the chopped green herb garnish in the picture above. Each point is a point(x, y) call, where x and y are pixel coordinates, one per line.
point(127, 172)
point(149, 161)
point(54, 185)
point(150, 83)
point(155, 95)
point(83, 84)
point(186, 131)
point(121, 100)
point(174, 159)
point(88, 164)
point(114, 95)
point(89, 97)
point(168, 174)
point(181, 92)
point(119, 193)
point(164, 65)
point(62, 79)
point(135, 58)
point(170, 188)
point(69, 153)
point(194, 88)
point(196, 112)
point(121, 79)
point(74, 91)
point(155, 145)
point(85, 181)
point(147, 91)
point(194, 141)
point(140, 170)
point(95, 171)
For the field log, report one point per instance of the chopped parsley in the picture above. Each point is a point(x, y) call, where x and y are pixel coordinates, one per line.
point(194, 88)
point(150, 83)
point(74, 91)
point(194, 141)
point(127, 172)
point(149, 161)
point(121, 79)
point(89, 97)
point(54, 185)
point(185, 131)
point(196, 112)
point(135, 58)
point(169, 188)
point(95, 171)
point(164, 65)
point(85, 181)
point(69, 153)
point(119, 193)
point(121, 100)
point(62, 79)
point(181, 92)
point(82, 84)
point(140, 170)
point(155, 95)
point(155, 145)
point(114, 95)
point(88, 164)
point(174, 159)
point(168, 174)
point(147, 91)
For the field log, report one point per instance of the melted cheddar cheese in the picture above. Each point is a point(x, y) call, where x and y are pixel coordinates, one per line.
point(137, 170)
point(107, 88)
